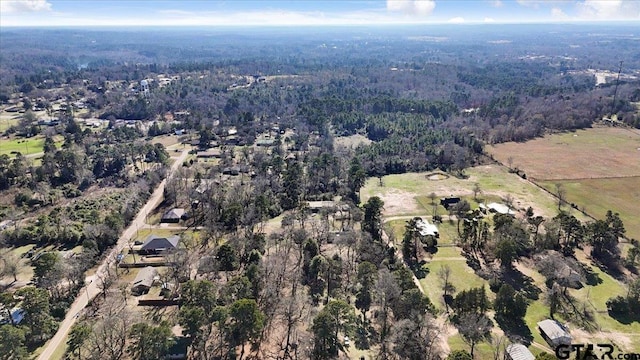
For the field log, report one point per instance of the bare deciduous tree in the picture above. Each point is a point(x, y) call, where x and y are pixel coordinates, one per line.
point(444, 274)
point(109, 335)
point(10, 265)
point(560, 193)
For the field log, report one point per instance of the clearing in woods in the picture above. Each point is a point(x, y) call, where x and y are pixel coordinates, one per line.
point(408, 194)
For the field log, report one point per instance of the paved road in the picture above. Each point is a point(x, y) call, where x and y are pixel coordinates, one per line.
point(90, 290)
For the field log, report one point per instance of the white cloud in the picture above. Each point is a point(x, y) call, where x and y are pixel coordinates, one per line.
point(457, 20)
point(558, 14)
point(489, 20)
point(601, 8)
point(22, 6)
point(609, 10)
point(529, 3)
point(497, 3)
point(412, 7)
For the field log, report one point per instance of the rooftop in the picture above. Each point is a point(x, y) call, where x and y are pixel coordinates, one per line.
point(427, 229)
point(552, 329)
point(519, 352)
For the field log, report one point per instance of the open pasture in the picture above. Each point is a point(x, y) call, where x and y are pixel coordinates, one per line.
point(590, 153)
point(596, 196)
point(598, 168)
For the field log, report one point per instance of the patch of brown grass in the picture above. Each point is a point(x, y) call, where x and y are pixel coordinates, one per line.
point(591, 153)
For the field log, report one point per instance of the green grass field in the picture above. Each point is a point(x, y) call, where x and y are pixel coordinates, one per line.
point(597, 196)
point(462, 276)
point(25, 146)
point(482, 350)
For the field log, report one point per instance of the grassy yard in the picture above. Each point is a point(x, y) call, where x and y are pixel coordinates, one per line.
point(597, 196)
point(462, 276)
point(594, 296)
point(142, 234)
point(536, 312)
point(25, 270)
point(482, 350)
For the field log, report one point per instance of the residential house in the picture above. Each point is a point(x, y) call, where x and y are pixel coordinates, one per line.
point(316, 206)
point(173, 216)
point(156, 244)
point(209, 153)
point(144, 280)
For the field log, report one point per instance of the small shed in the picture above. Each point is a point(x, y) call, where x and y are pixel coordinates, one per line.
point(144, 280)
point(17, 315)
point(518, 352)
point(554, 333)
point(449, 201)
point(173, 216)
point(156, 244)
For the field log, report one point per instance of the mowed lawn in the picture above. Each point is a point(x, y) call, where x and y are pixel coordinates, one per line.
point(596, 196)
point(590, 153)
point(24, 146)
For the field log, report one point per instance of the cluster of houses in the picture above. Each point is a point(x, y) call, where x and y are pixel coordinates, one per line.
point(156, 247)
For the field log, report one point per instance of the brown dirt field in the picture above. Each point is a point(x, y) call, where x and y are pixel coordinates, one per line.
point(399, 202)
point(590, 153)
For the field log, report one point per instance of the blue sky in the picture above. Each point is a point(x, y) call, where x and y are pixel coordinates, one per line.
point(307, 12)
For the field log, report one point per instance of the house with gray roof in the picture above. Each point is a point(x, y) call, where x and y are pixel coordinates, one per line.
point(144, 280)
point(173, 216)
point(157, 244)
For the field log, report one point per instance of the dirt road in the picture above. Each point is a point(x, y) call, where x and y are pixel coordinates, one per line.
point(91, 289)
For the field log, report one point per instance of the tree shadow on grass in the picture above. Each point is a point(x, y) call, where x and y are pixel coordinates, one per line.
point(591, 277)
point(515, 329)
point(420, 270)
point(625, 318)
point(522, 283)
point(609, 265)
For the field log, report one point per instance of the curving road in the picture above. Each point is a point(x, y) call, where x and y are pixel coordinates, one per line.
point(90, 290)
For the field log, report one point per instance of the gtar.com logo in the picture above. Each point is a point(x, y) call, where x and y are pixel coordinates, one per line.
point(592, 352)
